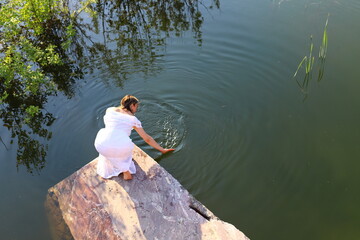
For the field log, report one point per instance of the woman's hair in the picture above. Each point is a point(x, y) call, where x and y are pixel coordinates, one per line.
point(127, 101)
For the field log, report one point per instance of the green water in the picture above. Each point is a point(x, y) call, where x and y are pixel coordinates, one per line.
point(250, 146)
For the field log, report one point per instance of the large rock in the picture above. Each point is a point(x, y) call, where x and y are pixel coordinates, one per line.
point(151, 206)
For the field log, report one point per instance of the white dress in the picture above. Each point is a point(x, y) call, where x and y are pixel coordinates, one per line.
point(114, 144)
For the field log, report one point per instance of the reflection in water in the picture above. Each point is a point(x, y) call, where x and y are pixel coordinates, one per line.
point(304, 84)
point(321, 69)
point(131, 35)
point(34, 64)
point(54, 43)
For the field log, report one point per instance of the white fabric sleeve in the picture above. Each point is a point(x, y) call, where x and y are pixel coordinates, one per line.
point(137, 123)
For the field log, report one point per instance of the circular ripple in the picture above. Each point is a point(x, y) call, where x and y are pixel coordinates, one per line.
point(164, 122)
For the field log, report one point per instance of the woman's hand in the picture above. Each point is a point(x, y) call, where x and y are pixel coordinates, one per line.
point(166, 150)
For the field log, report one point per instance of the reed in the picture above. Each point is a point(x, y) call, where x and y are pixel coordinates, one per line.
point(323, 51)
point(308, 61)
point(324, 44)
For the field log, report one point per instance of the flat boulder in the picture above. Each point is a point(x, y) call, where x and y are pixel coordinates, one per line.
point(153, 205)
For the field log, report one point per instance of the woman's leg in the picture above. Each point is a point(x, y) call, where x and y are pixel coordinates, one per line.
point(127, 175)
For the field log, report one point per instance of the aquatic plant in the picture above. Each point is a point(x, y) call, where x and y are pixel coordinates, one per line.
point(323, 51)
point(324, 44)
point(308, 62)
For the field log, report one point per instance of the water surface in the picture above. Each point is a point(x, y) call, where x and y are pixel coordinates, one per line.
point(248, 145)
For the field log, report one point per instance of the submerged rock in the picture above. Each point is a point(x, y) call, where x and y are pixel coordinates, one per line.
point(153, 205)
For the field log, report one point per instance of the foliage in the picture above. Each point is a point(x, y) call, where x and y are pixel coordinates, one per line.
point(33, 66)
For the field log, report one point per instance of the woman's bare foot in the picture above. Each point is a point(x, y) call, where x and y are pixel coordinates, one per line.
point(127, 175)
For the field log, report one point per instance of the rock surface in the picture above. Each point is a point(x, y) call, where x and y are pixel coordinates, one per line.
point(153, 206)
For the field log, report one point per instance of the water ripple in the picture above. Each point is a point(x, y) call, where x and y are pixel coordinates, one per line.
point(163, 121)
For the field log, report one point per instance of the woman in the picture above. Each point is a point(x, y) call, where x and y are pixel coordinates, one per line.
point(114, 144)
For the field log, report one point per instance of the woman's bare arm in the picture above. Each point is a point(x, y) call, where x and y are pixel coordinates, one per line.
point(149, 140)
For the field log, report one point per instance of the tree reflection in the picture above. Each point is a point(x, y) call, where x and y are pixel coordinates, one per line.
point(118, 37)
point(132, 34)
point(34, 65)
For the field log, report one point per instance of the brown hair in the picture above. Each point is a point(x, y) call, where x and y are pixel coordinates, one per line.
point(127, 101)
